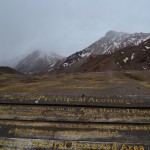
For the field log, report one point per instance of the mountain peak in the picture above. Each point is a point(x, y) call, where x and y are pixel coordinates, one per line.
point(37, 60)
point(113, 33)
point(45, 52)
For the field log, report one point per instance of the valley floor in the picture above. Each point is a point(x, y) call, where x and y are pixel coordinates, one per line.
point(97, 84)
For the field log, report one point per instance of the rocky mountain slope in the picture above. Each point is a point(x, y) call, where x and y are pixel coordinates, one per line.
point(107, 45)
point(128, 58)
point(114, 41)
point(37, 61)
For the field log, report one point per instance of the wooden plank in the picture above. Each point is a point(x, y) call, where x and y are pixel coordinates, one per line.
point(109, 101)
point(78, 114)
point(24, 144)
point(75, 131)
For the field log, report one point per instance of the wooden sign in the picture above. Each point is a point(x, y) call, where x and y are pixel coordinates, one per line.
point(96, 124)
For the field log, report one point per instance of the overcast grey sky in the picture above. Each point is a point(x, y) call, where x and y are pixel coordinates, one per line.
point(65, 26)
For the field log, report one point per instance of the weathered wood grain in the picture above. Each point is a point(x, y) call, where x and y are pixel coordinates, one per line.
point(38, 144)
point(75, 131)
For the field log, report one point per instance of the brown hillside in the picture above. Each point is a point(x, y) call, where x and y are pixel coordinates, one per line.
point(8, 70)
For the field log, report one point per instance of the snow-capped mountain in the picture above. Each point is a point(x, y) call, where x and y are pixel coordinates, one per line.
point(114, 41)
point(37, 61)
point(104, 48)
point(128, 58)
point(110, 43)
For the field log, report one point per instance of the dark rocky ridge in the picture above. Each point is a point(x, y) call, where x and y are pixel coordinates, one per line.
point(128, 58)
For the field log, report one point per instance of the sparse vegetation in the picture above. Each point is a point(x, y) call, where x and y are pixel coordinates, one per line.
point(89, 84)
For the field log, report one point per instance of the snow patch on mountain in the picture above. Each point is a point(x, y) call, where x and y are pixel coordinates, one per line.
point(125, 60)
point(132, 57)
point(147, 47)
